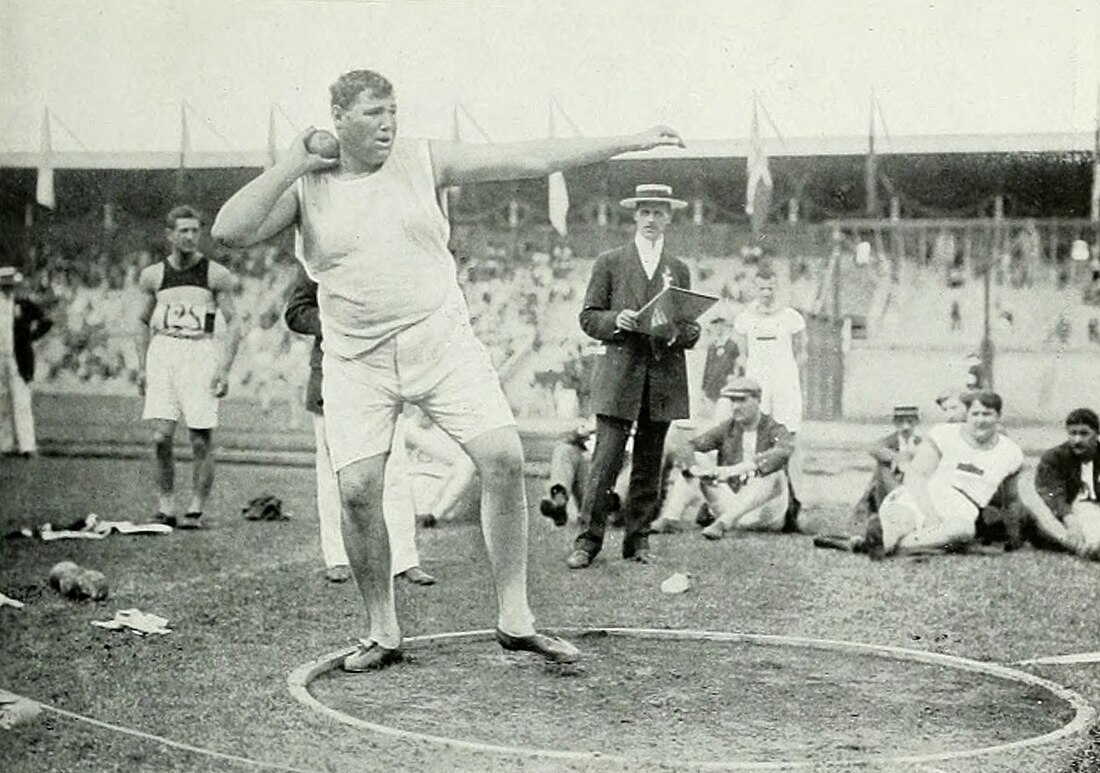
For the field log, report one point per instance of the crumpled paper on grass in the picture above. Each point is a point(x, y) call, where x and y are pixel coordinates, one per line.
point(677, 582)
point(16, 710)
point(93, 527)
point(139, 622)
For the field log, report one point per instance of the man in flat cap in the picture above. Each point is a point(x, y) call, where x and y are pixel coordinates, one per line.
point(891, 454)
point(640, 380)
point(748, 488)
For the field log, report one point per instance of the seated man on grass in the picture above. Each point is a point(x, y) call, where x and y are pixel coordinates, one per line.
point(748, 487)
point(954, 474)
point(570, 463)
point(1067, 480)
point(892, 454)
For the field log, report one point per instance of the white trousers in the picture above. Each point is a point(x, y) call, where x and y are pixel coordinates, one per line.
point(397, 505)
point(17, 434)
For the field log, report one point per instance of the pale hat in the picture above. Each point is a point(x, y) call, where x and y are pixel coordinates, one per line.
point(741, 386)
point(9, 276)
point(653, 192)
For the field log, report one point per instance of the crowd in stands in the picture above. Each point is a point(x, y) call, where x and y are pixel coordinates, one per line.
point(524, 309)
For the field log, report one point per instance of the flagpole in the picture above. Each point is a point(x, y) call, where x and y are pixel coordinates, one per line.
point(870, 177)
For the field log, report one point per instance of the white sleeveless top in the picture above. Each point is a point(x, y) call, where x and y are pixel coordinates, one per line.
point(976, 472)
point(768, 339)
point(376, 245)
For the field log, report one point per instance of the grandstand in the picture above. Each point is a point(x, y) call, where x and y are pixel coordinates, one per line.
point(879, 288)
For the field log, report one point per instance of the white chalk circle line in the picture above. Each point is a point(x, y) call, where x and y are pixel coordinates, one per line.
point(1084, 713)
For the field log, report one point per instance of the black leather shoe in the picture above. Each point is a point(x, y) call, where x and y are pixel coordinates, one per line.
point(642, 556)
point(371, 657)
point(165, 519)
point(554, 511)
point(550, 647)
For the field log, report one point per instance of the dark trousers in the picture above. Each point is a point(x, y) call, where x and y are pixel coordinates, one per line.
point(640, 507)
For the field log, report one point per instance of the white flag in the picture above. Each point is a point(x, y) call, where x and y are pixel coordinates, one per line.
point(43, 189)
point(558, 198)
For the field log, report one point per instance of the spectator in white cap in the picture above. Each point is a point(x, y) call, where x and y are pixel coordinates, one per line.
point(22, 323)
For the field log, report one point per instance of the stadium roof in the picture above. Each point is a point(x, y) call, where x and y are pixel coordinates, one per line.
point(733, 148)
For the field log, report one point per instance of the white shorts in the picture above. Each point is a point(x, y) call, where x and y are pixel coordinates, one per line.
point(437, 363)
point(781, 395)
point(178, 374)
point(900, 515)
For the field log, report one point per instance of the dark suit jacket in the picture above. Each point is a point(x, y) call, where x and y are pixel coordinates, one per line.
point(631, 361)
point(1058, 478)
point(303, 316)
point(719, 365)
point(885, 450)
point(773, 444)
point(30, 324)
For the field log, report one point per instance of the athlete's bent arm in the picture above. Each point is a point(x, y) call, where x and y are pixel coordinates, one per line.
point(925, 462)
point(268, 204)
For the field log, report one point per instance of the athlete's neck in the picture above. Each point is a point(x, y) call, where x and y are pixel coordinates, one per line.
point(182, 260)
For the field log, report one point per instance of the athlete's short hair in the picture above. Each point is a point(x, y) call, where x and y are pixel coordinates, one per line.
point(182, 212)
point(350, 85)
point(989, 399)
point(1085, 416)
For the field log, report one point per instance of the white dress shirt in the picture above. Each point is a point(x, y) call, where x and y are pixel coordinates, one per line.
point(649, 252)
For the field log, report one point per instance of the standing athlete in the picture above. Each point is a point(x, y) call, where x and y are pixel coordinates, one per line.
point(182, 372)
point(772, 340)
point(397, 328)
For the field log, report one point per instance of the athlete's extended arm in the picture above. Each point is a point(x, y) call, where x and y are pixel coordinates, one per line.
point(457, 163)
point(268, 204)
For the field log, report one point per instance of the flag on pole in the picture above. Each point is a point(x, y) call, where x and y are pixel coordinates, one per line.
point(758, 191)
point(557, 195)
point(185, 149)
point(870, 181)
point(43, 189)
point(1094, 209)
point(271, 157)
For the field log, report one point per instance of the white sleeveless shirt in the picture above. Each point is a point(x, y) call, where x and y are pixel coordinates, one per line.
point(376, 245)
point(976, 472)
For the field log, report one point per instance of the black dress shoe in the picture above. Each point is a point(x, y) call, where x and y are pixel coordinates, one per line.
point(554, 511)
point(550, 647)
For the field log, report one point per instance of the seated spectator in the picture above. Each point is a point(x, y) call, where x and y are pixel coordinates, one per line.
point(954, 474)
point(748, 488)
point(1067, 481)
point(892, 454)
point(570, 461)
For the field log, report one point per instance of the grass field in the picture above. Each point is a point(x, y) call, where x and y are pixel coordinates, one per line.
point(247, 604)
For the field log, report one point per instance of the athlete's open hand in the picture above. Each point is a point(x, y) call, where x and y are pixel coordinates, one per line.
point(660, 136)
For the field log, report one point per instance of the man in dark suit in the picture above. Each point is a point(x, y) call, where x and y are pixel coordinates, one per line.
point(891, 454)
point(721, 360)
point(640, 380)
point(1067, 481)
point(22, 323)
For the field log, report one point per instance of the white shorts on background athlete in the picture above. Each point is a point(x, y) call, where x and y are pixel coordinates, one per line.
point(437, 363)
point(178, 375)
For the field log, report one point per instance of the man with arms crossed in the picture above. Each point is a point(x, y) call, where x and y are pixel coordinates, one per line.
point(181, 372)
point(397, 328)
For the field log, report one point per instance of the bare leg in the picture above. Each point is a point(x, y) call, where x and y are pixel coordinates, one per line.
point(163, 432)
point(202, 468)
point(499, 459)
point(366, 539)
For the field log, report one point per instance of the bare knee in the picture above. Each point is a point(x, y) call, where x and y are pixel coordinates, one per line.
point(361, 487)
point(499, 457)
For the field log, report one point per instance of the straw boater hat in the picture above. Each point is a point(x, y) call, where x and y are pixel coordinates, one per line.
point(653, 192)
point(9, 277)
